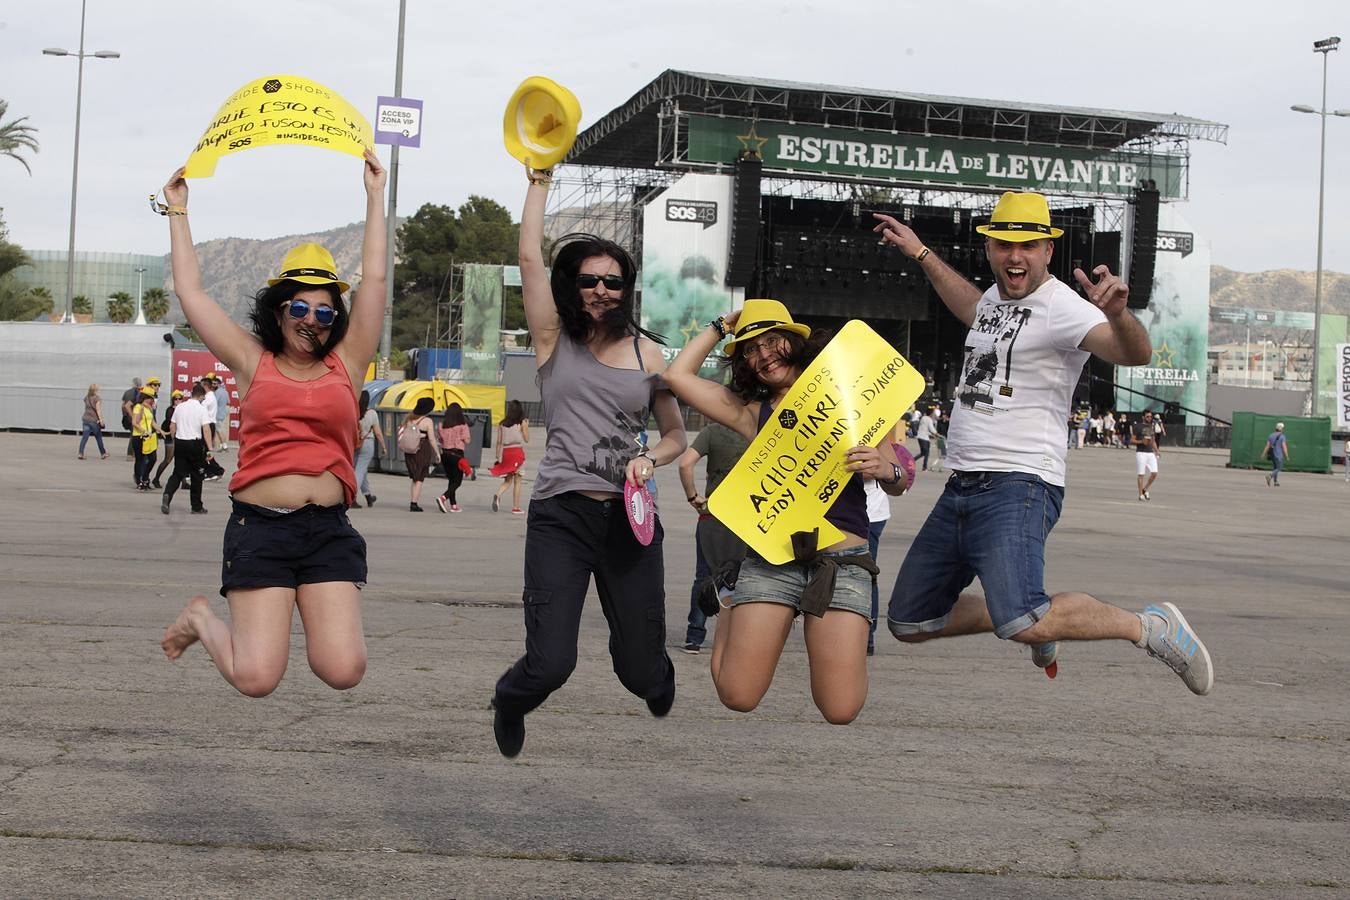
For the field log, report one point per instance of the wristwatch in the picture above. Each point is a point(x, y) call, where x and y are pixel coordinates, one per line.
point(896, 474)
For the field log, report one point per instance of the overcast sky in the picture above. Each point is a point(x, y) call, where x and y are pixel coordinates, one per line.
point(1238, 62)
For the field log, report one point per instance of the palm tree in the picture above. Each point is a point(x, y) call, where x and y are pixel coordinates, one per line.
point(121, 307)
point(80, 304)
point(16, 136)
point(155, 304)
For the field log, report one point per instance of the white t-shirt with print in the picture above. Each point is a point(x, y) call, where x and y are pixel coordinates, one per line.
point(1021, 364)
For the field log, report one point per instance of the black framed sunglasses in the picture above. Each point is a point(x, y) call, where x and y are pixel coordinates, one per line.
point(611, 282)
point(324, 315)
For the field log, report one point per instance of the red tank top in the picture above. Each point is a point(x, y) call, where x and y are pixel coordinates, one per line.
point(289, 427)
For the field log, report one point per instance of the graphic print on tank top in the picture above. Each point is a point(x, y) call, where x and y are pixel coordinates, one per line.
point(610, 454)
point(987, 373)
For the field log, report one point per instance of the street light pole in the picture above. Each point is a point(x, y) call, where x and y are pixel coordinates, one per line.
point(69, 314)
point(1324, 47)
point(387, 333)
point(140, 280)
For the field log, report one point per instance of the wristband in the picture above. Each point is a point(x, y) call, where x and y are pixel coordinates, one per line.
point(691, 497)
point(539, 176)
point(720, 323)
point(651, 459)
point(921, 255)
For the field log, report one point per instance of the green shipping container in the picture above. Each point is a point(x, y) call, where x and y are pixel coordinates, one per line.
point(1309, 442)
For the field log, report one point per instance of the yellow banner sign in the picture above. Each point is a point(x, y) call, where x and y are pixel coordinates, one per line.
point(853, 393)
point(280, 109)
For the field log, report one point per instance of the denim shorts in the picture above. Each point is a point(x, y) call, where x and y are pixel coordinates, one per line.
point(763, 582)
point(310, 545)
point(987, 524)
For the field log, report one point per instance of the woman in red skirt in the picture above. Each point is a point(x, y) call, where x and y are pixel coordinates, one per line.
point(513, 433)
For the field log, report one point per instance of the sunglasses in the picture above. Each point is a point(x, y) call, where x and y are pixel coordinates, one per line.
point(324, 315)
point(611, 282)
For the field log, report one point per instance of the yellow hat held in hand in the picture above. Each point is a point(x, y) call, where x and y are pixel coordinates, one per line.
point(1020, 217)
point(760, 316)
point(540, 123)
point(309, 264)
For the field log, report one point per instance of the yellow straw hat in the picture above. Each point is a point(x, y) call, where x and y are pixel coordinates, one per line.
point(309, 264)
point(1020, 217)
point(760, 316)
point(540, 123)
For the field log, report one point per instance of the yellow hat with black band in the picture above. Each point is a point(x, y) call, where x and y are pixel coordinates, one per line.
point(763, 315)
point(309, 264)
point(1020, 217)
point(540, 123)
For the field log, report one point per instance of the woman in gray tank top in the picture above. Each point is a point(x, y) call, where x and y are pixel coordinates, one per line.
point(768, 353)
point(600, 379)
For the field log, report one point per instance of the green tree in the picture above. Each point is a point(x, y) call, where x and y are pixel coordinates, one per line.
point(15, 137)
point(121, 307)
point(81, 304)
point(21, 304)
point(430, 243)
point(155, 304)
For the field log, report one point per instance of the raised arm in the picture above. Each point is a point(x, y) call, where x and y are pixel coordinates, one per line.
point(541, 315)
point(709, 397)
point(955, 290)
point(669, 422)
point(229, 342)
point(367, 304)
point(1120, 340)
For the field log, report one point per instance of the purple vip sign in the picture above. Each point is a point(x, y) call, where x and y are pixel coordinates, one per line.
point(398, 120)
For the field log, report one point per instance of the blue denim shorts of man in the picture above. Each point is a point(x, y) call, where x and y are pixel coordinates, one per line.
point(987, 524)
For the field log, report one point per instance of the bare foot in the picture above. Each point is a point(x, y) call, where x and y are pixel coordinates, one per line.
point(182, 634)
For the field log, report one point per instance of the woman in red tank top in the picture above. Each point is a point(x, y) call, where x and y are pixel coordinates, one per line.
point(288, 542)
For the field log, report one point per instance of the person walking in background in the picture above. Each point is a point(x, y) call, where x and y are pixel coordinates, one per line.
point(998, 508)
point(1277, 450)
point(289, 542)
point(130, 398)
point(368, 439)
point(191, 443)
point(91, 422)
point(513, 433)
point(167, 437)
point(417, 440)
point(145, 432)
point(222, 423)
point(453, 436)
point(210, 401)
point(1145, 441)
point(599, 377)
point(943, 423)
point(926, 431)
point(1109, 429)
point(715, 545)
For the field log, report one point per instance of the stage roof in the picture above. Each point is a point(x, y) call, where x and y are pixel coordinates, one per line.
point(630, 136)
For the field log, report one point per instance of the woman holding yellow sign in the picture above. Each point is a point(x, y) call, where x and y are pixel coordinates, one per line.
point(288, 542)
point(600, 379)
point(767, 354)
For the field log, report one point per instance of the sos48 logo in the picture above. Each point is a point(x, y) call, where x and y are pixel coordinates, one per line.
point(1182, 242)
point(703, 212)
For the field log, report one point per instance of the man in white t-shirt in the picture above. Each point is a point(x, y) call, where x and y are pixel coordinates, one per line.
point(192, 445)
point(1029, 337)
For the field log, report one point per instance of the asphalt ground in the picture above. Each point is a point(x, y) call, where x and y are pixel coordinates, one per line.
point(968, 774)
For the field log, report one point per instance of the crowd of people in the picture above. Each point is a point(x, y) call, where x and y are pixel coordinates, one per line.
point(307, 435)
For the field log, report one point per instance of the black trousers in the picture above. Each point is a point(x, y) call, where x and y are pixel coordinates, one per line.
point(569, 538)
point(453, 476)
point(143, 466)
point(188, 458)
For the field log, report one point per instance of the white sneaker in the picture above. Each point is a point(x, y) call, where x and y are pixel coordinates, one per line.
point(1177, 645)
